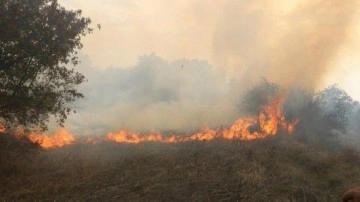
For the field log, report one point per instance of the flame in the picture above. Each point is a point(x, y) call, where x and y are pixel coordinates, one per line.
point(61, 138)
point(269, 122)
point(2, 128)
point(126, 136)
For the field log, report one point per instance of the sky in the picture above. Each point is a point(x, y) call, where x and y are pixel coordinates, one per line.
point(159, 64)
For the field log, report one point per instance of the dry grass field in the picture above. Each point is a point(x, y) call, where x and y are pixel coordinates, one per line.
point(273, 169)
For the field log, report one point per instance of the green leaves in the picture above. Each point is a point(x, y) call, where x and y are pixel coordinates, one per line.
point(38, 38)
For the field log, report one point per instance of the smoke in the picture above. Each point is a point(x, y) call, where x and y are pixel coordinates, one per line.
point(154, 95)
point(355, 122)
point(293, 44)
point(287, 42)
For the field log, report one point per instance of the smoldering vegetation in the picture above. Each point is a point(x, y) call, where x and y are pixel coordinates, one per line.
point(326, 117)
point(315, 163)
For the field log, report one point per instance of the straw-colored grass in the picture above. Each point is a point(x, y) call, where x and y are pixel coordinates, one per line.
point(273, 169)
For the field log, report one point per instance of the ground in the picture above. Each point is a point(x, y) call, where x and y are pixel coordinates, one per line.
point(273, 169)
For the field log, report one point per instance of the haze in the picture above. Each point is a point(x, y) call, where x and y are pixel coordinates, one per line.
point(163, 65)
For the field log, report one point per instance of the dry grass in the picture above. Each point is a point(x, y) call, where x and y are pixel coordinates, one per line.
point(274, 169)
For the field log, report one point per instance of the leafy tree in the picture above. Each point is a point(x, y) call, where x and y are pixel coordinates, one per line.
point(38, 39)
point(336, 106)
point(322, 115)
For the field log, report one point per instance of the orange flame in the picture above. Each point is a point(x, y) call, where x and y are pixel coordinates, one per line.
point(61, 138)
point(269, 122)
point(132, 137)
point(2, 128)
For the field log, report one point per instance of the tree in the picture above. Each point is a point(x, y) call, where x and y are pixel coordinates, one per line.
point(336, 106)
point(38, 40)
point(323, 115)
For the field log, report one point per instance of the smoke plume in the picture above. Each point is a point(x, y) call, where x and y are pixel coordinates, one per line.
point(293, 44)
point(154, 95)
point(287, 42)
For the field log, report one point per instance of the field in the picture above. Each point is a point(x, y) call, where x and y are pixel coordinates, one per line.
point(273, 169)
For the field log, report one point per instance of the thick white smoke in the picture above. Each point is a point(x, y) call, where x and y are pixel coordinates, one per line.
point(294, 43)
point(155, 95)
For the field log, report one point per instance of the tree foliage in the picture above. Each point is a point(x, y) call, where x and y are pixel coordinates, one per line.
point(336, 106)
point(38, 39)
point(322, 115)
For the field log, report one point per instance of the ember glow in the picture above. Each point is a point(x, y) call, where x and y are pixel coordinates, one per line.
point(269, 122)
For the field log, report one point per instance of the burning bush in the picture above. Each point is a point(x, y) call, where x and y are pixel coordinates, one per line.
point(322, 115)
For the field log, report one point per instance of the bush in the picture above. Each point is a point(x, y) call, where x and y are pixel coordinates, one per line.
point(322, 115)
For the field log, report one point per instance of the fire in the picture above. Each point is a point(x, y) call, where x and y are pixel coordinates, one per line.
point(2, 128)
point(61, 138)
point(269, 122)
point(132, 137)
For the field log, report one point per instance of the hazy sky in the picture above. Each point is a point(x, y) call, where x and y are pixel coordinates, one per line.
point(310, 43)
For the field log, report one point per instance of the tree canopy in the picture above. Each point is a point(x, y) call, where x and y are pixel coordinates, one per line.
point(336, 106)
point(322, 115)
point(39, 39)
